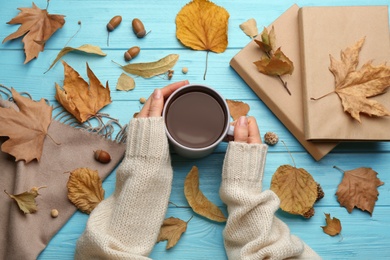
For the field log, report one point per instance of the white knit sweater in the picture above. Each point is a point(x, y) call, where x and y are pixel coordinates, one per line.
point(126, 225)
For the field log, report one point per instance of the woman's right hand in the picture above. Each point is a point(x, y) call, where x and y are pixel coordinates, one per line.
point(247, 131)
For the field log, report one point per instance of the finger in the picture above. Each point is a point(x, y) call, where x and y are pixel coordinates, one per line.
point(156, 103)
point(241, 130)
point(253, 131)
point(168, 90)
point(145, 109)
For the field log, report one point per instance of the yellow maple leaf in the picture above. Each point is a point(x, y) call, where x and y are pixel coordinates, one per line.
point(203, 25)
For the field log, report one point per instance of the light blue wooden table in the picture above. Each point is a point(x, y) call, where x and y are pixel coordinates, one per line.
point(363, 236)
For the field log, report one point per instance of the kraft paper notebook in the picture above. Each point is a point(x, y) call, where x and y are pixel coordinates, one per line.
point(288, 109)
point(326, 31)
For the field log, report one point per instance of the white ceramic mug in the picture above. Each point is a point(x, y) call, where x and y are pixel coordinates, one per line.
point(196, 119)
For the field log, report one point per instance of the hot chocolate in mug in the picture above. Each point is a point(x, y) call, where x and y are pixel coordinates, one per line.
point(196, 119)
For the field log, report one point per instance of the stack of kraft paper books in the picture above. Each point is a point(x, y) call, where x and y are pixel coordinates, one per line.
point(309, 36)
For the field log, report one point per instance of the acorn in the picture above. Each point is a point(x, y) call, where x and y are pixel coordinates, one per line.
point(132, 53)
point(114, 22)
point(138, 28)
point(102, 156)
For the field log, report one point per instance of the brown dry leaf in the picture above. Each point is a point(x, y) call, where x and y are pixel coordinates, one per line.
point(85, 189)
point(80, 99)
point(150, 69)
point(37, 26)
point(358, 188)
point(268, 41)
point(86, 48)
point(249, 27)
point(237, 108)
point(203, 25)
point(26, 200)
point(198, 201)
point(125, 82)
point(333, 225)
point(355, 86)
point(171, 230)
point(279, 64)
point(26, 128)
point(296, 189)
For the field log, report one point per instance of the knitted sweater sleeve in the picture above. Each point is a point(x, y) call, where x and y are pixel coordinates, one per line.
point(126, 225)
point(252, 231)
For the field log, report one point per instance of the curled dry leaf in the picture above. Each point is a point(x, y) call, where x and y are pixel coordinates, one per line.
point(37, 26)
point(26, 200)
point(26, 128)
point(150, 69)
point(333, 225)
point(249, 27)
point(296, 190)
point(354, 87)
point(237, 108)
point(171, 230)
point(125, 82)
point(80, 99)
point(85, 189)
point(358, 188)
point(86, 48)
point(198, 201)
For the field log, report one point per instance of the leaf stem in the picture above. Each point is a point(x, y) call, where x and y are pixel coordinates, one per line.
point(79, 23)
point(322, 96)
point(184, 207)
point(289, 154)
point(205, 71)
point(117, 63)
point(53, 140)
point(341, 170)
point(190, 219)
point(284, 84)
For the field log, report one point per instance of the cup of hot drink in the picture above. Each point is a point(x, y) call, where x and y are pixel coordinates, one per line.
point(196, 119)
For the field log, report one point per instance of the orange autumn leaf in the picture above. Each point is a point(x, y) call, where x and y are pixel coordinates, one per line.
point(358, 188)
point(354, 86)
point(26, 128)
point(237, 108)
point(198, 201)
point(37, 26)
point(333, 225)
point(203, 25)
point(276, 65)
point(171, 230)
point(80, 99)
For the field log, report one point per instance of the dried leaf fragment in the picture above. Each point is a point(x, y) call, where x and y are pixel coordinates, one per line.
point(85, 189)
point(203, 25)
point(26, 128)
point(26, 200)
point(86, 48)
point(249, 27)
point(198, 201)
point(171, 230)
point(237, 108)
point(358, 188)
point(150, 69)
point(333, 225)
point(80, 99)
point(296, 189)
point(37, 26)
point(125, 82)
point(355, 86)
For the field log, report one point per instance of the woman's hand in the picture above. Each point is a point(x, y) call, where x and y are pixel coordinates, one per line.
point(154, 105)
point(247, 131)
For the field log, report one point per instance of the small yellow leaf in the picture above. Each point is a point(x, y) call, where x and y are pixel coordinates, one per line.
point(237, 108)
point(171, 230)
point(85, 189)
point(279, 64)
point(150, 69)
point(26, 200)
point(198, 201)
point(203, 25)
point(333, 225)
point(86, 48)
point(249, 27)
point(295, 188)
point(125, 82)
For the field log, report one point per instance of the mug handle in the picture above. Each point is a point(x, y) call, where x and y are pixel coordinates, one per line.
point(230, 134)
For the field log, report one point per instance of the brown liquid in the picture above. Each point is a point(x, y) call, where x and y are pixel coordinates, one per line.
point(195, 119)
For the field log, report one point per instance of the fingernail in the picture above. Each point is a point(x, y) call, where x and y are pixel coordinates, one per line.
point(157, 93)
point(242, 121)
